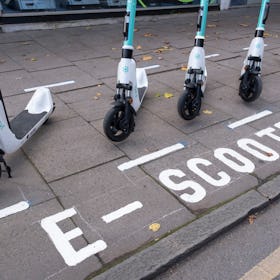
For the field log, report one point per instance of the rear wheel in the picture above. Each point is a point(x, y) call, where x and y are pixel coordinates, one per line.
point(250, 89)
point(115, 126)
point(188, 105)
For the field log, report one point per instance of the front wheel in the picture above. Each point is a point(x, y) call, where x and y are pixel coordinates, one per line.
point(115, 126)
point(189, 104)
point(250, 89)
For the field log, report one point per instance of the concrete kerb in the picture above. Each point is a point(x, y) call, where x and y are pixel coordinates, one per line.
point(155, 259)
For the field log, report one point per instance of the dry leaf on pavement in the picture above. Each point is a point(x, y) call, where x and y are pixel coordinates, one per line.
point(168, 95)
point(207, 112)
point(251, 219)
point(154, 227)
point(147, 57)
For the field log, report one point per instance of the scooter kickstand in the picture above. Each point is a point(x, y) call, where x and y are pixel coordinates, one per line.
point(7, 168)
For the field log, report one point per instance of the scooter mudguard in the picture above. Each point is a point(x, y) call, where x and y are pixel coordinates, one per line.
point(15, 133)
point(256, 49)
point(197, 61)
point(127, 75)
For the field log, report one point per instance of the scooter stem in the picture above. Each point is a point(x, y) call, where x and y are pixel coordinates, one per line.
point(201, 23)
point(129, 23)
point(263, 15)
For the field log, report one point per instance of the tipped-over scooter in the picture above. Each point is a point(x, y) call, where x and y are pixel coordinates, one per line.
point(251, 84)
point(189, 102)
point(132, 85)
point(14, 133)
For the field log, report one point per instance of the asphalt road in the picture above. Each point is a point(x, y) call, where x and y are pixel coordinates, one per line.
point(230, 256)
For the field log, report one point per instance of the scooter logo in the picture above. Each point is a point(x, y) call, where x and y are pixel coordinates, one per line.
point(197, 56)
point(258, 46)
point(125, 69)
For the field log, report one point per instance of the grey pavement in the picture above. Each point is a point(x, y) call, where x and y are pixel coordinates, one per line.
point(164, 209)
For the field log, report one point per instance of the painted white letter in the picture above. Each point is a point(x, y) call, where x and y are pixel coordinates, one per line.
point(192, 165)
point(268, 132)
point(61, 240)
point(247, 165)
point(267, 153)
point(198, 191)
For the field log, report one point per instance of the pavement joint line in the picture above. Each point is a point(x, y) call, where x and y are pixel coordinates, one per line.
point(157, 258)
point(250, 119)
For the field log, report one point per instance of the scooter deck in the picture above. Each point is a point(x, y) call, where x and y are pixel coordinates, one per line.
point(141, 92)
point(24, 122)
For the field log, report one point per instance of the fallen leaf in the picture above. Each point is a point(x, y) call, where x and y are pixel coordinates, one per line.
point(207, 112)
point(168, 95)
point(157, 95)
point(138, 47)
point(148, 35)
point(154, 227)
point(136, 29)
point(211, 25)
point(147, 57)
point(163, 49)
point(98, 94)
point(251, 219)
point(269, 154)
point(113, 49)
point(266, 34)
point(243, 24)
point(184, 68)
point(33, 59)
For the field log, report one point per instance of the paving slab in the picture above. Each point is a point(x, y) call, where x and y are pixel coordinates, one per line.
point(30, 188)
point(15, 82)
point(91, 103)
point(75, 140)
point(133, 230)
point(32, 56)
point(39, 258)
point(64, 74)
point(227, 100)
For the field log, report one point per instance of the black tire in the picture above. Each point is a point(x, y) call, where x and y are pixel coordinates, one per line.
point(188, 108)
point(251, 88)
point(111, 124)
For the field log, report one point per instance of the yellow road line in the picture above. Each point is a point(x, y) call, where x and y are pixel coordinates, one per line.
point(267, 269)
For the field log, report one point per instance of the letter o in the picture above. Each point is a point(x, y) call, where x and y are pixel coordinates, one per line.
point(247, 165)
point(267, 153)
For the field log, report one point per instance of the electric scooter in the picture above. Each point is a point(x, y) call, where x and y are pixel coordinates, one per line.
point(251, 84)
point(132, 85)
point(14, 133)
point(189, 103)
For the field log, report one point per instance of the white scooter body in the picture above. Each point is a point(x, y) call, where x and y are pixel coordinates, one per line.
point(197, 61)
point(256, 49)
point(15, 133)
